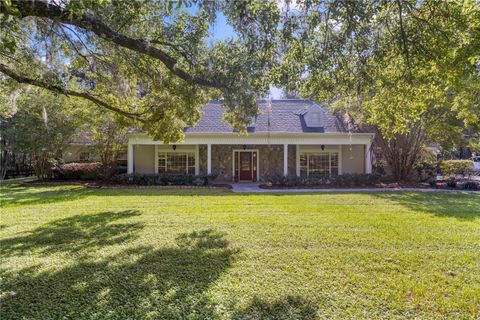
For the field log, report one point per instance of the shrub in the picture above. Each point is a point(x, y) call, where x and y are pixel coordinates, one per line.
point(451, 183)
point(163, 179)
point(344, 180)
point(470, 185)
point(78, 171)
point(432, 183)
point(427, 169)
point(452, 167)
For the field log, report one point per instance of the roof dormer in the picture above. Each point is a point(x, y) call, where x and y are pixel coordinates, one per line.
point(314, 116)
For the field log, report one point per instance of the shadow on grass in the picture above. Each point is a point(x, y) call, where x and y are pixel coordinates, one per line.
point(290, 307)
point(143, 282)
point(74, 234)
point(457, 205)
point(30, 195)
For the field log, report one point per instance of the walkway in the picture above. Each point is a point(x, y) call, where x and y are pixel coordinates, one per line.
point(254, 188)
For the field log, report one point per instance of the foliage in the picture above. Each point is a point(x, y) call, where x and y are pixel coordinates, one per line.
point(343, 180)
point(402, 152)
point(163, 179)
point(108, 134)
point(427, 168)
point(39, 125)
point(151, 62)
point(408, 68)
point(396, 64)
point(474, 144)
point(79, 171)
point(432, 183)
point(453, 167)
point(74, 252)
point(451, 183)
point(470, 185)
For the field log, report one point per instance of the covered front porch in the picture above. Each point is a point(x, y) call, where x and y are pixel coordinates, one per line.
point(250, 158)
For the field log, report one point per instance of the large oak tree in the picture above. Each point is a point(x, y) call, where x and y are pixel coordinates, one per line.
point(154, 62)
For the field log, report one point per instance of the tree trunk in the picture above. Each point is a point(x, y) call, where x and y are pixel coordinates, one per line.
point(402, 152)
point(3, 164)
point(41, 165)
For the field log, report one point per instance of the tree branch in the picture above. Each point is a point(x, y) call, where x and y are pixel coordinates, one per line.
point(37, 8)
point(38, 83)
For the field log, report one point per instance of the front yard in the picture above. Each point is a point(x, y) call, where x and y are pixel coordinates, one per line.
point(73, 252)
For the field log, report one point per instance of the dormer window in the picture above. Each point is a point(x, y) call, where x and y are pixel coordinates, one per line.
point(314, 117)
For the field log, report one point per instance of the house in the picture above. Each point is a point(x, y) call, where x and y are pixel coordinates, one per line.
point(83, 148)
point(80, 148)
point(289, 137)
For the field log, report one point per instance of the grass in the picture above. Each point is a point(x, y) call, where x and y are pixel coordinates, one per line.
point(72, 252)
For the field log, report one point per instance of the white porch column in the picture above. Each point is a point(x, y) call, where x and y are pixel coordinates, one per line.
point(209, 158)
point(130, 158)
point(285, 159)
point(368, 158)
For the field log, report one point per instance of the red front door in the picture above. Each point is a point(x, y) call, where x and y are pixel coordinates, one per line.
point(246, 168)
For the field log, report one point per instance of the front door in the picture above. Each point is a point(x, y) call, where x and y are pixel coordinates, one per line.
point(246, 167)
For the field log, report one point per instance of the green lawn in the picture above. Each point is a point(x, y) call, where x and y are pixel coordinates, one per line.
point(72, 252)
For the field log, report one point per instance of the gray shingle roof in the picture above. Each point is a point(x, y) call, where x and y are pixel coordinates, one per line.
point(286, 116)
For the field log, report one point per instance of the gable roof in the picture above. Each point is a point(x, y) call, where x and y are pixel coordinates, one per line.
point(285, 116)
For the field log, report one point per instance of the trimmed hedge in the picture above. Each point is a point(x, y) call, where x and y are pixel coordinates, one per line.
point(470, 185)
point(344, 180)
point(163, 179)
point(452, 167)
point(79, 171)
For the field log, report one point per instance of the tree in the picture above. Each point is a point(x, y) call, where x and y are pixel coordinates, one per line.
point(474, 144)
point(40, 126)
point(148, 61)
point(409, 68)
point(108, 134)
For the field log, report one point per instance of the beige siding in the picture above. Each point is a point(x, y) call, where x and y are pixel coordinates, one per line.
point(144, 158)
point(71, 153)
point(353, 158)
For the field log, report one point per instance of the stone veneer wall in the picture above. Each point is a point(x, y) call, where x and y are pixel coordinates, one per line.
point(202, 163)
point(292, 158)
point(270, 159)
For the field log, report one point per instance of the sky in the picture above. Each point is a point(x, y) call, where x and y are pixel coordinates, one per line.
point(222, 31)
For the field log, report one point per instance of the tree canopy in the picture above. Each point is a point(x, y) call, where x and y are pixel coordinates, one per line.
point(397, 65)
point(150, 61)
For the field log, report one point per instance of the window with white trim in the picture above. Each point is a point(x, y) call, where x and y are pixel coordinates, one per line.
point(318, 163)
point(176, 162)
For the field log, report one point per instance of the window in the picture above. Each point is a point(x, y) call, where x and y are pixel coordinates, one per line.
point(84, 156)
point(176, 162)
point(314, 118)
point(318, 163)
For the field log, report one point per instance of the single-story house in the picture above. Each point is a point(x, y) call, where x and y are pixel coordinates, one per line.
point(289, 137)
point(82, 148)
